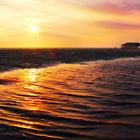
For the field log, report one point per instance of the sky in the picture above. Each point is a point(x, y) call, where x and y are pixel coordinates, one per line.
point(68, 23)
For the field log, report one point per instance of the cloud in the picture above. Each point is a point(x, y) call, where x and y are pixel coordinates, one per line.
point(109, 6)
point(118, 7)
point(118, 25)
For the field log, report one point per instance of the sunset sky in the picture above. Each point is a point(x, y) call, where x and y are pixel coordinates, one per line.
point(68, 23)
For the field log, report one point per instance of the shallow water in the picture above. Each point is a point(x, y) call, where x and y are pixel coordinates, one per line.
point(82, 101)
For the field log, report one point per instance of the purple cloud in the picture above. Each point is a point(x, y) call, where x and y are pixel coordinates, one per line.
point(111, 6)
point(120, 7)
point(118, 25)
point(117, 7)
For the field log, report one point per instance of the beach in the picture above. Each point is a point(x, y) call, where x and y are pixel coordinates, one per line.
point(69, 95)
point(23, 58)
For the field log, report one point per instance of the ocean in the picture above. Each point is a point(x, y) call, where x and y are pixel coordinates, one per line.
point(82, 100)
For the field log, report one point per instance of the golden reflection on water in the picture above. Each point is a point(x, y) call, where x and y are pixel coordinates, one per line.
point(32, 104)
point(31, 75)
point(54, 98)
point(34, 92)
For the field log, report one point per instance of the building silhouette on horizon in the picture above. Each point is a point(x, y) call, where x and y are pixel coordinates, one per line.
point(130, 45)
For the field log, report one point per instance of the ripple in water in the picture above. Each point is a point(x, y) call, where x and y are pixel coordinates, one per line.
point(85, 101)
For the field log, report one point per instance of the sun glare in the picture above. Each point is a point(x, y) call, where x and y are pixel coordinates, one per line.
point(33, 28)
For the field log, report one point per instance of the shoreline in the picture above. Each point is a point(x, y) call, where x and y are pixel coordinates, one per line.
point(40, 58)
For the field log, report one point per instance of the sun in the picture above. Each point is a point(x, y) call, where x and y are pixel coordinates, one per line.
point(34, 28)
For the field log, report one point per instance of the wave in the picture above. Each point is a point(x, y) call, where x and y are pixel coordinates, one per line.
point(90, 100)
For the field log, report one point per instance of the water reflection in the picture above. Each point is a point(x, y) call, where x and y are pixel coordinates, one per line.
point(30, 84)
point(32, 103)
point(31, 75)
point(66, 101)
